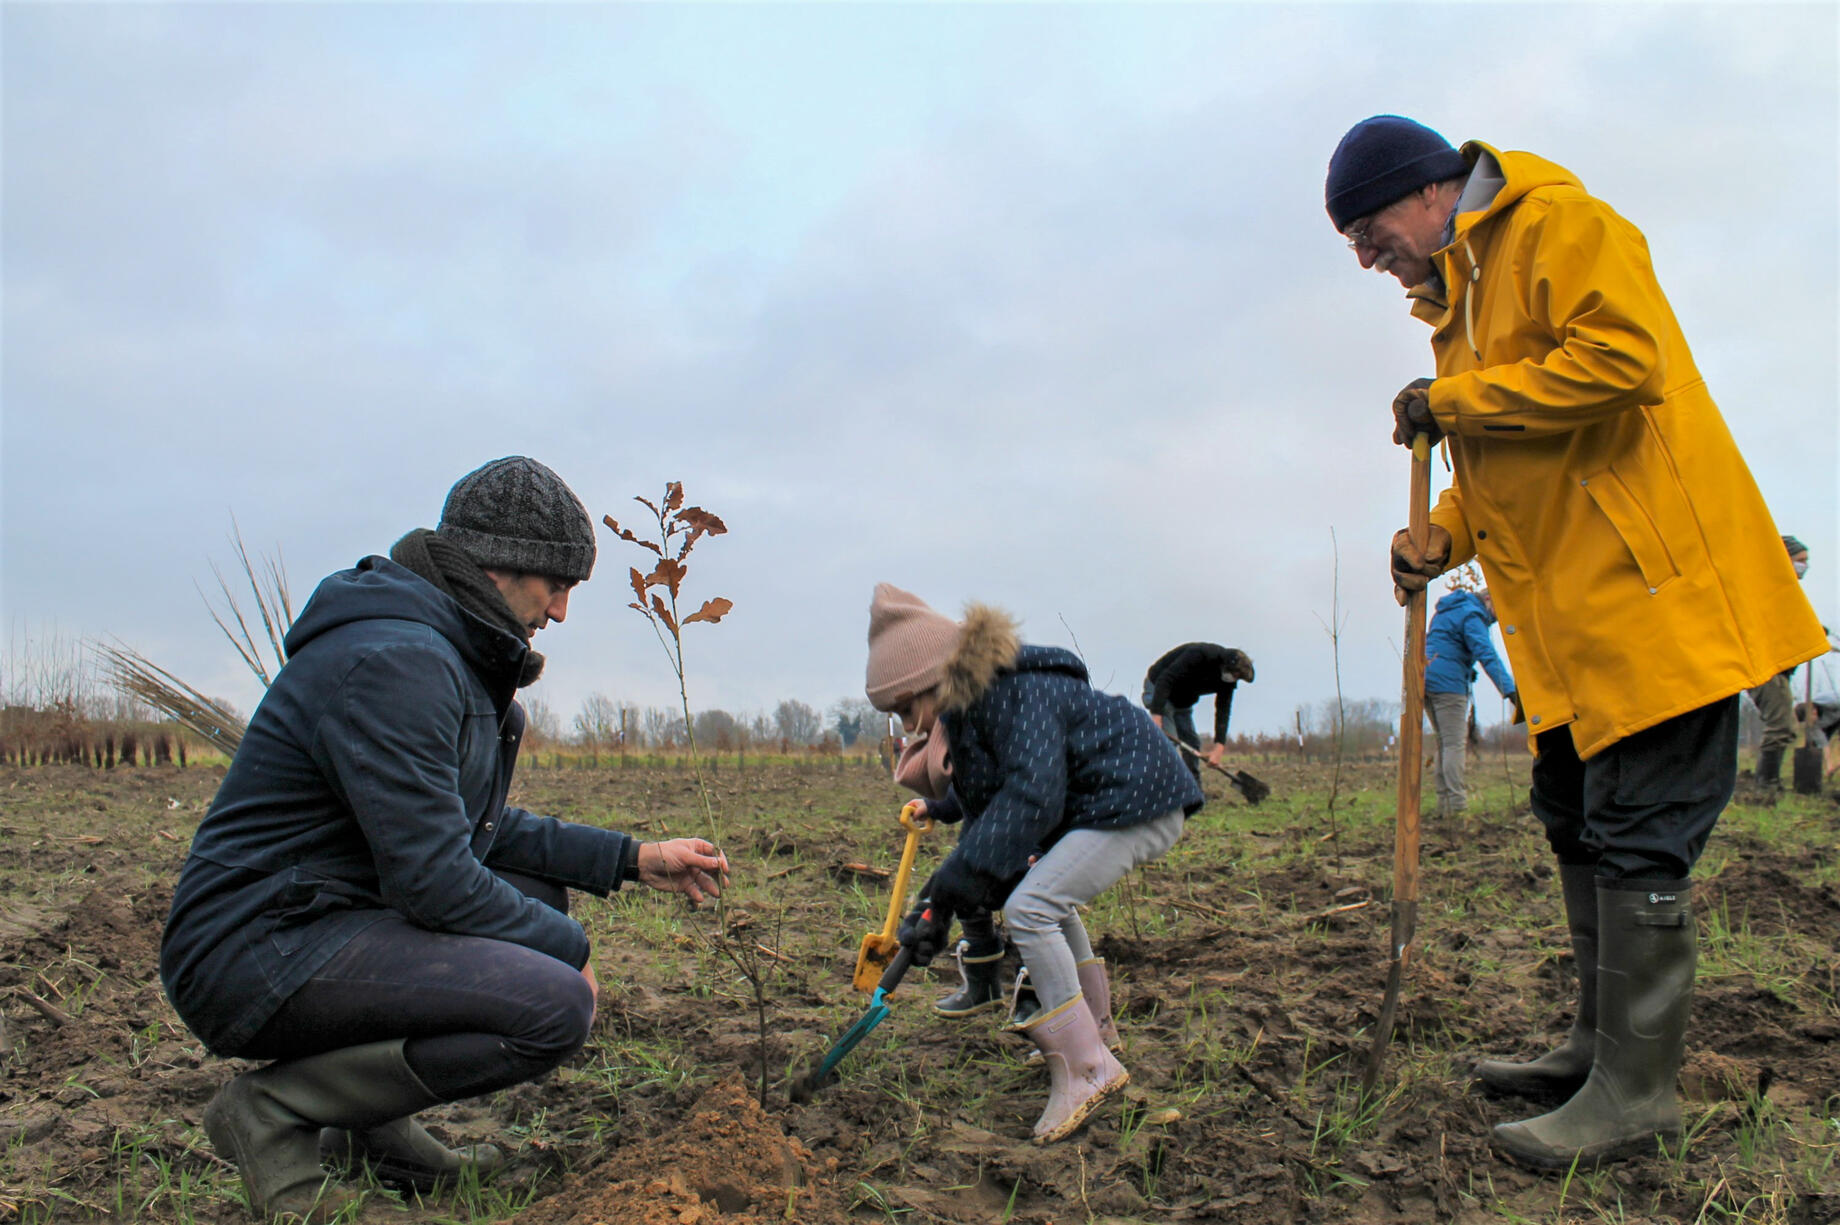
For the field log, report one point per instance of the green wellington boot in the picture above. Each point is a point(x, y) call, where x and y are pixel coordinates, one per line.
point(404, 1154)
point(1645, 963)
point(1558, 1074)
point(267, 1122)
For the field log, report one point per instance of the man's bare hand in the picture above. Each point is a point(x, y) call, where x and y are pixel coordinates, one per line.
point(1215, 754)
point(1412, 570)
point(1412, 414)
point(690, 866)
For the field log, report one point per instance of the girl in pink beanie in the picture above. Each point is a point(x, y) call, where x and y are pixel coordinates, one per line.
point(1063, 790)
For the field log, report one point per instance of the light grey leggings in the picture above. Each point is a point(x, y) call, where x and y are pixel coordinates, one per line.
point(1041, 910)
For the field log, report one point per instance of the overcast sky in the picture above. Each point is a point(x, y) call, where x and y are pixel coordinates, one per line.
point(1031, 304)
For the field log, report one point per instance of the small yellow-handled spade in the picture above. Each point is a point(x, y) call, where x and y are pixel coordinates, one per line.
point(879, 947)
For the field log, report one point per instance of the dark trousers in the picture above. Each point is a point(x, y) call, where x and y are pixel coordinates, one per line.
point(478, 1014)
point(1179, 725)
point(1642, 808)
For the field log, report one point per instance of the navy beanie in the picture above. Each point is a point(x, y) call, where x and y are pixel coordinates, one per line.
point(1384, 159)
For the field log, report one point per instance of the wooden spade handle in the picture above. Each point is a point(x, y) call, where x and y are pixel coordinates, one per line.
point(1412, 710)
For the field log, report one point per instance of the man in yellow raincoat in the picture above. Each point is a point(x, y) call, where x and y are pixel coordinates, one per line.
point(1638, 578)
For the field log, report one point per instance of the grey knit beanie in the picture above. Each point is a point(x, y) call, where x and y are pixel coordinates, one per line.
point(515, 514)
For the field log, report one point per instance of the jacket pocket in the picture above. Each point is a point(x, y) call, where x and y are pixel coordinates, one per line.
point(1635, 525)
point(306, 898)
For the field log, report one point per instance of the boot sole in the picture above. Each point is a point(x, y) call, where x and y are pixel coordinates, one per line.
point(1590, 1157)
point(1078, 1118)
point(955, 1013)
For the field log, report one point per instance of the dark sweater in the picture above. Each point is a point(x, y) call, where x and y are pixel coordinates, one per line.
point(1181, 677)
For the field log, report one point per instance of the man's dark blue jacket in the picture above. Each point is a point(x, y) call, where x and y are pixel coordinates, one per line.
point(372, 779)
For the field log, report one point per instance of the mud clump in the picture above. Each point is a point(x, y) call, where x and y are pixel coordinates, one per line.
point(729, 1163)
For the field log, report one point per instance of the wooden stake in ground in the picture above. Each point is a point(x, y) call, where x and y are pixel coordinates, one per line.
point(1411, 767)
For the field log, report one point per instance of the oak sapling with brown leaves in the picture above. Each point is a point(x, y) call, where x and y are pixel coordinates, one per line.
point(655, 597)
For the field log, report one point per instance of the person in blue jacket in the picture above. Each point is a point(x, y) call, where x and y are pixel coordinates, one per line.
point(1064, 789)
point(360, 906)
point(1456, 642)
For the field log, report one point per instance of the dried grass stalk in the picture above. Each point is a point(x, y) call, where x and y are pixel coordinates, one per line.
point(273, 606)
point(139, 677)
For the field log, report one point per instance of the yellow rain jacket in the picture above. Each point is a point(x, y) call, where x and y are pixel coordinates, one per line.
point(1636, 571)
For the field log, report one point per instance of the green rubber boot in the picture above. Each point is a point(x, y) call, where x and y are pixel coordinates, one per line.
point(1558, 1074)
point(404, 1154)
point(1646, 957)
point(267, 1122)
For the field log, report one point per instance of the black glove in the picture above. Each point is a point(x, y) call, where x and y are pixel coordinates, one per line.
point(957, 888)
point(924, 932)
point(1412, 414)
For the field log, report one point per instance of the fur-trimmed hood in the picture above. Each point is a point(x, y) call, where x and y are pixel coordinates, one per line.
point(989, 645)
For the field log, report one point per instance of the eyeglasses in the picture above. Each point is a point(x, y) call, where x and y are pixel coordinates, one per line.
point(1360, 234)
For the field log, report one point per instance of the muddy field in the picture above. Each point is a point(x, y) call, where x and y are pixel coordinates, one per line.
point(1248, 969)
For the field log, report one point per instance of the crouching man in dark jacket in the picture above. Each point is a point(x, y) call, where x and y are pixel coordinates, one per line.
point(360, 905)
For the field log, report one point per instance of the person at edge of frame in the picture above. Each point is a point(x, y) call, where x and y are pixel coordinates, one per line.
point(1775, 702)
point(1638, 576)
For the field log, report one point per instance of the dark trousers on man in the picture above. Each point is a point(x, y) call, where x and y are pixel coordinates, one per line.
point(1642, 808)
point(478, 1014)
point(1179, 725)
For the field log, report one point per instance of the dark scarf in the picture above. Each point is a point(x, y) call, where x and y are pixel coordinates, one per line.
point(449, 567)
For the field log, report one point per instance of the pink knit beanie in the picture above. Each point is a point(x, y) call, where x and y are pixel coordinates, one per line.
point(909, 644)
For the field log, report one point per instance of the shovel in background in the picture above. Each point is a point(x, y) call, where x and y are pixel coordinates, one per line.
point(1807, 769)
point(879, 947)
point(1251, 788)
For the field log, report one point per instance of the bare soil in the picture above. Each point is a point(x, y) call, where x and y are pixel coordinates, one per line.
point(1247, 973)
